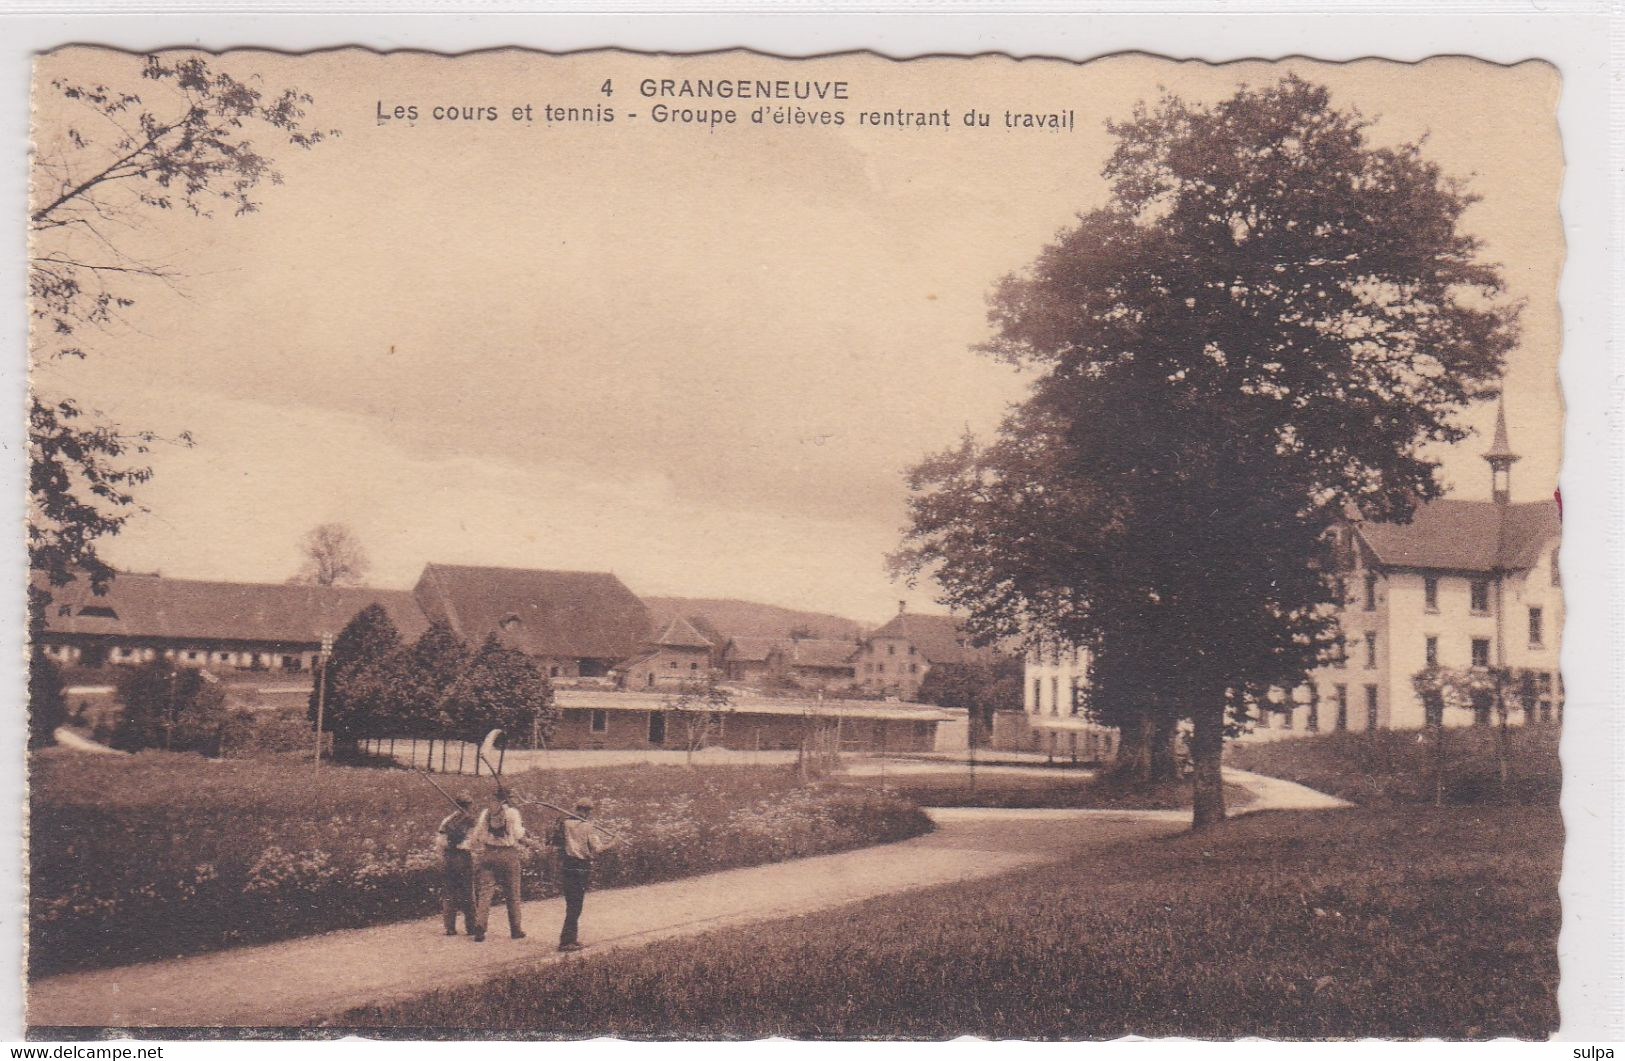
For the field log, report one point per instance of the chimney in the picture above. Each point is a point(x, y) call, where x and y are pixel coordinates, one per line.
point(901, 605)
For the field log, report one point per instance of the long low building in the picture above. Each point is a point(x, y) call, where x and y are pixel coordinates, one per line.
point(607, 718)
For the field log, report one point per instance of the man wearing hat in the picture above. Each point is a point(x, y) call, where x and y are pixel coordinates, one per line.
point(579, 842)
point(456, 867)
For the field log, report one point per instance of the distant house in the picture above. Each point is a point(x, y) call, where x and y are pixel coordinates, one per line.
point(811, 662)
point(216, 625)
point(896, 658)
point(677, 654)
point(574, 623)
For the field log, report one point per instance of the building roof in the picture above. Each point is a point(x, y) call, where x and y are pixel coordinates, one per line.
point(821, 653)
point(751, 649)
point(152, 606)
point(939, 638)
point(557, 614)
point(1456, 535)
point(680, 633)
point(743, 704)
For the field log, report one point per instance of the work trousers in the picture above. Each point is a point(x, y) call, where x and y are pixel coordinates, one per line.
point(576, 874)
point(496, 867)
point(457, 889)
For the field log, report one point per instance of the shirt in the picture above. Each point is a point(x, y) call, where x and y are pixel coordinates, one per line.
point(579, 840)
point(482, 836)
point(453, 832)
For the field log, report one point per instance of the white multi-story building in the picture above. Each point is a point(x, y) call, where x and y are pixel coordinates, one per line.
point(1463, 585)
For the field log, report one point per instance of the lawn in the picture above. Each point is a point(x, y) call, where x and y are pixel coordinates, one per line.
point(1396, 767)
point(159, 854)
point(1393, 922)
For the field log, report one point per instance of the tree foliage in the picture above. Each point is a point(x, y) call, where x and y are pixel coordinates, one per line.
point(175, 136)
point(361, 681)
point(1266, 323)
point(424, 674)
point(503, 688)
point(981, 688)
point(333, 557)
point(168, 706)
point(47, 700)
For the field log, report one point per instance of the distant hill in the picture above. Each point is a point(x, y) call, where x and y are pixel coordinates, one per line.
point(738, 618)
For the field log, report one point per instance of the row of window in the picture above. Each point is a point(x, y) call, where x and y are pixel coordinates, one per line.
point(1075, 701)
point(880, 668)
point(1340, 709)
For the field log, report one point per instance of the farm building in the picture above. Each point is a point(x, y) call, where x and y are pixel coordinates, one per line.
point(813, 663)
point(591, 718)
point(679, 653)
point(576, 624)
point(216, 625)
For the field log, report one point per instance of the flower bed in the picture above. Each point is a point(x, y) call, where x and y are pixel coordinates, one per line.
point(158, 855)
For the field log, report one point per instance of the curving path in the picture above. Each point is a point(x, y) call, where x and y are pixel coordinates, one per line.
point(310, 980)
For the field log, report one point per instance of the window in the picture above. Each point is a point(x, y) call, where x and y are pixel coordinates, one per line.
point(1557, 578)
point(193, 655)
point(1077, 697)
point(671, 664)
point(553, 671)
point(1312, 722)
point(914, 668)
point(1371, 707)
point(291, 663)
point(1370, 651)
point(694, 666)
point(1342, 707)
point(891, 650)
point(1430, 593)
point(98, 611)
point(1481, 597)
point(1054, 696)
point(1481, 652)
point(1537, 628)
point(1340, 652)
point(1286, 716)
point(911, 650)
point(1543, 695)
point(1038, 695)
point(600, 720)
point(1433, 652)
point(1371, 593)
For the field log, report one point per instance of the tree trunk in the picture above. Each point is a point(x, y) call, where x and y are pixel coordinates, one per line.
point(1207, 755)
point(1133, 762)
point(1164, 765)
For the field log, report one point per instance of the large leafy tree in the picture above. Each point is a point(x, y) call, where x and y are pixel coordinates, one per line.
point(173, 135)
point(47, 700)
point(1267, 322)
point(426, 673)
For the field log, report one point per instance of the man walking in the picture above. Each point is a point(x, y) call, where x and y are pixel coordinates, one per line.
point(456, 867)
point(579, 842)
point(494, 843)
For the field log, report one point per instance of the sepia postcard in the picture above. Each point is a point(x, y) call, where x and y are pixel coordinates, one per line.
point(721, 546)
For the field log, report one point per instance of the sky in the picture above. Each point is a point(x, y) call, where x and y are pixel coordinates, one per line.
point(700, 358)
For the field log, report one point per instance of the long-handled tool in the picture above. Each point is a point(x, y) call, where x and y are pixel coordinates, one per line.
point(449, 797)
point(488, 748)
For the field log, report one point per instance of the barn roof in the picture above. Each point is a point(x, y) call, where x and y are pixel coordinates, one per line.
point(559, 614)
point(1457, 535)
point(153, 606)
point(825, 653)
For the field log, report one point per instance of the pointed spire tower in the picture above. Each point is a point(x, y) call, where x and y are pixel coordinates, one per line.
point(1501, 458)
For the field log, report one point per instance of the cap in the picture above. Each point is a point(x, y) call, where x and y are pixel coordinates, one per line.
point(583, 803)
point(464, 802)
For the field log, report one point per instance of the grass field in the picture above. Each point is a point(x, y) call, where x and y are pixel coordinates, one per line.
point(1009, 789)
point(158, 855)
point(1394, 922)
point(1395, 767)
